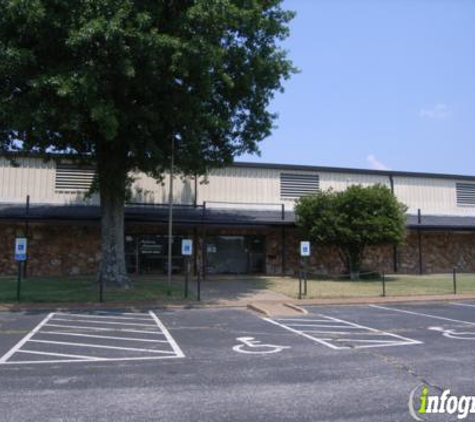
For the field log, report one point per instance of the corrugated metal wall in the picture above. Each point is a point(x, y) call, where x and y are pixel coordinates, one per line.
point(36, 178)
point(146, 189)
point(243, 185)
point(436, 196)
point(248, 186)
point(340, 181)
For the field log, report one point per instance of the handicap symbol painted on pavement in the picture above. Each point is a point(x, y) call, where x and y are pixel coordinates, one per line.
point(454, 334)
point(251, 346)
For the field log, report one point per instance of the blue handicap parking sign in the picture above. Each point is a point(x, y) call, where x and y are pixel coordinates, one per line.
point(187, 247)
point(20, 249)
point(305, 248)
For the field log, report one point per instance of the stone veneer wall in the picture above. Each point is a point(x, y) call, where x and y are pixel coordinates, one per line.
point(74, 249)
point(441, 252)
point(53, 249)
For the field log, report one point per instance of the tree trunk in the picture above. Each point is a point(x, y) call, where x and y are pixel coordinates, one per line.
point(352, 257)
point(112, 180)
point(112, 270)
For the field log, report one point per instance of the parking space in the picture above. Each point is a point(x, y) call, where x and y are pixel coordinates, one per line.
point(338, 334)
point(97, 336)
point(458, 313)
point(424, 323)
point(237, 363)
point(65, 337)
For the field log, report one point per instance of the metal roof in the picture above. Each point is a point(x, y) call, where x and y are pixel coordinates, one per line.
point(297, 167)
point(387, 173)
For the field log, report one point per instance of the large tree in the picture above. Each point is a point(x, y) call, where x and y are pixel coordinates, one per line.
point(117, 82)
point(352, 220)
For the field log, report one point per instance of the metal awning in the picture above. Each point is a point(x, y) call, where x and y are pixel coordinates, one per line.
point(147, 214)
point(190, 215)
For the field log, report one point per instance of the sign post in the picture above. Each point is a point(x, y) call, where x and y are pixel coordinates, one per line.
point(20, 257)
point(186, 251)
point(304, 253)
point(101, 290)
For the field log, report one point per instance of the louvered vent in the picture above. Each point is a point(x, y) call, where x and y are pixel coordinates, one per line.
point(70, 177)
point(466, 194)
point(293, 185)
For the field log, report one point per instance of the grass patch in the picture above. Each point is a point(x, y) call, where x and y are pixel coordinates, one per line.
point(429, 284)
point(321, 289)
point(396, 285)
point(83, 289)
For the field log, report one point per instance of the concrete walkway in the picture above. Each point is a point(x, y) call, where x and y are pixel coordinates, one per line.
point(238, 290)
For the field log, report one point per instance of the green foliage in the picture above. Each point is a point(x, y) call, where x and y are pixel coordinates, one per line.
point(117, 80)
point(352, 220)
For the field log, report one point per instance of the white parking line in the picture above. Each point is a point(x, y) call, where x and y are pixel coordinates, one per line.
point(119, 314)
point(359, 333)
point(122, 330)
point(170, 339)
point(106, 346)
point(104, 322)
point(17, 346)
point(106, 337)
point(347, 329)
point(306, 320)
point(103, 316)
point(321, 326)
point(97, 346)
point(301, 333)
point(367, 340)
point(164, 357)
point(462, 304)
point(36, 352)
point(422, 314)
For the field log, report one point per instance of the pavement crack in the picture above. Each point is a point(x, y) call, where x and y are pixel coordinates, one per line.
point(402, 366)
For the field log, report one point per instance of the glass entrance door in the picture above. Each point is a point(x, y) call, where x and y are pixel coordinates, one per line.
point(235, 254)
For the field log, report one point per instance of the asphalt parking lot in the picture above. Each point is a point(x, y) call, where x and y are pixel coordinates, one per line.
point(338, 363)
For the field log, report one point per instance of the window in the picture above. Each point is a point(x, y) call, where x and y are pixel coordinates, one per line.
point(294, 185)
point(148, 254)
point(465, 193)
point(70, 177)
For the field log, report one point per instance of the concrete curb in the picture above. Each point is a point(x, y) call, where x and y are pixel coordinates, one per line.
point(258, 309)
point(382, 300)
point(295, 304)
point(296, 308)
point(58, 307)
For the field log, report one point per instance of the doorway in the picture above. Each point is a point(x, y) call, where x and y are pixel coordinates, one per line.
point(235, 255)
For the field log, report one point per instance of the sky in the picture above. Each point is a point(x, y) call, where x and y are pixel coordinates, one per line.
point(383, 84)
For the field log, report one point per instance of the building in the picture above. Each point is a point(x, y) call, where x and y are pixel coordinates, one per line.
point(240, 217)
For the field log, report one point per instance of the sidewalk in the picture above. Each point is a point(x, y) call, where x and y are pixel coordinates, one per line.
point(274, 308)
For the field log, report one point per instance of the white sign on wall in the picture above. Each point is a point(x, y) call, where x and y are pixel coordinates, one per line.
point(187, 247)
point(305, 248)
